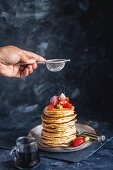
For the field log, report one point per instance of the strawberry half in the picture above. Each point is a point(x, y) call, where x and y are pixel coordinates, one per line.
point(64, 101)
point(78, 141)
point(67, 105)
point(50, 107)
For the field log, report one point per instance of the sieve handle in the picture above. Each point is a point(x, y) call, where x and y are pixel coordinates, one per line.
point(23, 64)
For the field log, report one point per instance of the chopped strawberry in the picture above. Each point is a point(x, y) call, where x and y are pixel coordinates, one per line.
point(61, 101)
point(67, 98)
point(64, 101)
point(67, 105)
point(78, 141)
point(50, 107)
point(54, 100)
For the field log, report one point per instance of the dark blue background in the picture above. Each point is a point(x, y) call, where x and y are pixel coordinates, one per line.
point(81, 30)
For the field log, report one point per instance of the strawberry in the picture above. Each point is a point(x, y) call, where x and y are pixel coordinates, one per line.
point(64, 101)
point(67, 105)
point(50, 107)
point(54, 100)
point(78, 141)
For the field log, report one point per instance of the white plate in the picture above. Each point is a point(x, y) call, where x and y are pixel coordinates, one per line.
point(36, 132)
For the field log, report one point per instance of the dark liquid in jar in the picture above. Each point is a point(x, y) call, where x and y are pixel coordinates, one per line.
point(27, 159)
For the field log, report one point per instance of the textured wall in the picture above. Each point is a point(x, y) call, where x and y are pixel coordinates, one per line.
point(81, 30)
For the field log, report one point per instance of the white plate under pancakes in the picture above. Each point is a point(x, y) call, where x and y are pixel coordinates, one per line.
point(36, 132)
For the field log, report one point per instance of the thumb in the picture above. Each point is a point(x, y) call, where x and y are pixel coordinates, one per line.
point(27, 60)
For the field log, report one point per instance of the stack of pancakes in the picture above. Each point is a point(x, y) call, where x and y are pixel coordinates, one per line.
point(58, 127)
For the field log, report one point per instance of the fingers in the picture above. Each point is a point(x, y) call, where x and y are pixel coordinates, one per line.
point(34, 65)
point(30, 68)
point(30, 59)
point(23, 73)
point(34, 56)
point(21, 68)
point(26, 70)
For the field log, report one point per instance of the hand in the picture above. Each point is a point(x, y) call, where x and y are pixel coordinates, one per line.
point(11, 56)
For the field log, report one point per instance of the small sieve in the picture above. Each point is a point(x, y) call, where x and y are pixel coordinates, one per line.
point(53, 65)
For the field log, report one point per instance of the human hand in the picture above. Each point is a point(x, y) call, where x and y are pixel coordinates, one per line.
point(11, 56)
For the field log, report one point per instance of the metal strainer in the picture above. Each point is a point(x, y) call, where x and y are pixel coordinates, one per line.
point(53, 65)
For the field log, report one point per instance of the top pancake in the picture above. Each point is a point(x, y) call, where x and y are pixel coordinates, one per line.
point(58, 112)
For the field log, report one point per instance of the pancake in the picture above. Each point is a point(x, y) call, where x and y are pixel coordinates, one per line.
point(57, 119)
point(64, 141)
point(56, 133)
point(58, 125)
point(58, 112)
point(60, 129)
point(56, 145)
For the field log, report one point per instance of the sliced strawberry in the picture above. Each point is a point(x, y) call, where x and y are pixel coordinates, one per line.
point(50, 107)
point(78, 141)
point(67, 99)
point(64, 101)
point(54, 100)
point(67, 105)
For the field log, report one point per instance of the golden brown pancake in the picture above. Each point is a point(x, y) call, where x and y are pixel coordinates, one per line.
point(64, 139)
point(62, 133)
point(58, 141)
point(59, 129)
point(58, 112)
point(57, 119)
point(56, 145)
point(58, 125)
